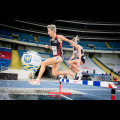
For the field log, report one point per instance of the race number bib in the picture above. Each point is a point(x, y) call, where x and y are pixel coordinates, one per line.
point(54, 49)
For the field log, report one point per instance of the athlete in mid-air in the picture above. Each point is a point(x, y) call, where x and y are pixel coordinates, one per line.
point(56, 47)
point(79, 60)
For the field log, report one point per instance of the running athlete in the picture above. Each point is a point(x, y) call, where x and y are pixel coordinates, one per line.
point(56, 47)
point(80, 58)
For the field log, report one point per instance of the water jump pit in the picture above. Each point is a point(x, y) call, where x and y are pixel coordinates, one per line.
point(52, 90)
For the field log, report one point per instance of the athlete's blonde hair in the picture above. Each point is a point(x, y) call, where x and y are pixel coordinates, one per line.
point(52, 27)
point(75, 39)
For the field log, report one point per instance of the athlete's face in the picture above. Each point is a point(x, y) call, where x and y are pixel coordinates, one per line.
point(50, 32)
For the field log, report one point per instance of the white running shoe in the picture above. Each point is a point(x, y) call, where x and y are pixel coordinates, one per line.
point(79, 76)
point(79, 73)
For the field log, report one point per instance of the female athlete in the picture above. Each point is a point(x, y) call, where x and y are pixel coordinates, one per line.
point(56, 47)
point(80, 58)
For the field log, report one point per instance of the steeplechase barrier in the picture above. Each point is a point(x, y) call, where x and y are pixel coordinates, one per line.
point(62, 93)
point(91, 83)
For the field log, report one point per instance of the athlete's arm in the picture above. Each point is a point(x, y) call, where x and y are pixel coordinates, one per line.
point(61, 38)
point(72, 55)
point(49, 47)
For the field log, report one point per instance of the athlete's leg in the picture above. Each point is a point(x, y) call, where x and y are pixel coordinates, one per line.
point(49, 61)
point(73, 69)
point(55, 71)
point(74, 63)
point(75, 66)
point(80, 72)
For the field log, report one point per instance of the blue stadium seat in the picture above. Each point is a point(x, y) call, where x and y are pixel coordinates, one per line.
point(5, 49)
point(114, 44)
point(5, 62)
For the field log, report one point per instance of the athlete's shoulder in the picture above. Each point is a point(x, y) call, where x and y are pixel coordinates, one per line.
point(80, 47)
point(60, 37)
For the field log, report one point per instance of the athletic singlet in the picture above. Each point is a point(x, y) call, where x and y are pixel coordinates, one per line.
point(77, 53)
point(56, 47)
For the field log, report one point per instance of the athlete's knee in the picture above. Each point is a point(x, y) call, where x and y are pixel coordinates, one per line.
point(72, 65)
point(43, 64)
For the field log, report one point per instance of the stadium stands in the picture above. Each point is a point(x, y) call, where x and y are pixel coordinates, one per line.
point(5, 49)
point(25, 37)
point(115, 44)
point(96, 44)
point(5, 57)
point(111, 63)
point(90, 66)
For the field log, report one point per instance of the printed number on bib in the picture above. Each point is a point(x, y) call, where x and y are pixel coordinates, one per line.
point(54, 49)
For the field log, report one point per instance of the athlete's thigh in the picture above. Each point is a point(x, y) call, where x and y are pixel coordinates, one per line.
point(55, 68)
point(75, 64)
point(52, 60)
point(74, 61)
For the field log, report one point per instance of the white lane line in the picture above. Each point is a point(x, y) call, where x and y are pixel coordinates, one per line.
point(66, 97)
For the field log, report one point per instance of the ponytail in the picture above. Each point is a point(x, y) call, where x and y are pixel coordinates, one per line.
point(75, 39)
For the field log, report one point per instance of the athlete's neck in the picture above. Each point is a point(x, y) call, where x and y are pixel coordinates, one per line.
point(54, 36)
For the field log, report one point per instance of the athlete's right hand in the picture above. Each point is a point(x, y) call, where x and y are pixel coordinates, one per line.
point(47, 46)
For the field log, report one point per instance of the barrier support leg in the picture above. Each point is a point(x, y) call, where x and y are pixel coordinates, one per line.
point(113, 94)
point(62, 93)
